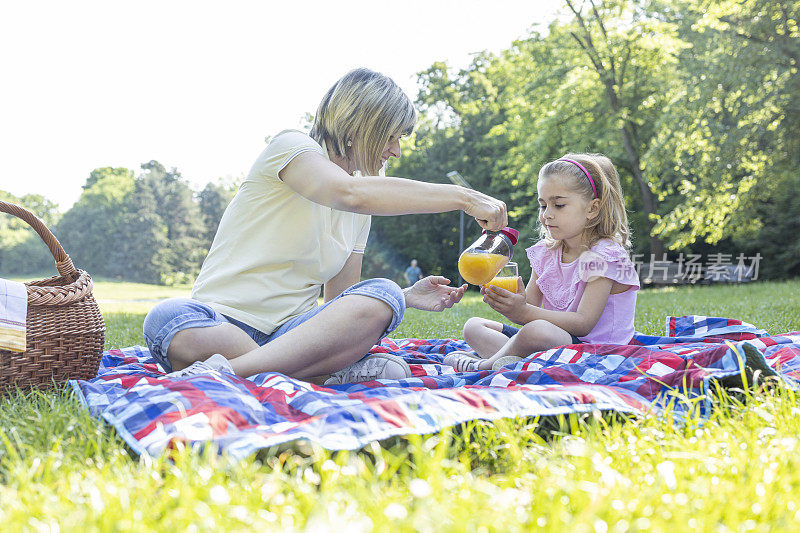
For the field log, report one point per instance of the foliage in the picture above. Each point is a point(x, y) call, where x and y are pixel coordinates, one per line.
point(21, 248)
point(89, 229)
point(729, 140)
point(213, 200)
point(141, 241)
point(169, 198)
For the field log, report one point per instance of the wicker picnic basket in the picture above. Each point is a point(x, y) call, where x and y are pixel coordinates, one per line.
point(65, 330)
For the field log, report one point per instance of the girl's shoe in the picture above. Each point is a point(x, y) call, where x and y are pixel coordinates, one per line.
point(463, 361)
point(505, 361)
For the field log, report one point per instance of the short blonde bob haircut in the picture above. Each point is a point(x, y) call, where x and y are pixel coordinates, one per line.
point(612, 219)
point(359, 114)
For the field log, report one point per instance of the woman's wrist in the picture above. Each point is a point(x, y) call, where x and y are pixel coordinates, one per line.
point(406, 292)
point(464, 198)
point(408, 295)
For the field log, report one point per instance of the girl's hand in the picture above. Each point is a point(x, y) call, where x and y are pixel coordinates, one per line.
point(433, 294)
point(513, 306)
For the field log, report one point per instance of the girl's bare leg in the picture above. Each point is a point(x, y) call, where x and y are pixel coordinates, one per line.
point(484, 336)
point(532, 337)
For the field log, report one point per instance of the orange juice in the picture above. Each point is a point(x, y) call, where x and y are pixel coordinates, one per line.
point(480, 268)
point(508, 283)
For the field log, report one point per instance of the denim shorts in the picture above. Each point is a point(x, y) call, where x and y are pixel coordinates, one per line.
point(176, 314)
point(510, 331)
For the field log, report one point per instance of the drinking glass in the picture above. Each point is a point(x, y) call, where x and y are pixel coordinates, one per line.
point(506, 278)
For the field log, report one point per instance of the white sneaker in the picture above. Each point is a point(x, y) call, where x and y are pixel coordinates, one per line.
point(463, 361)
point(374, 366)
point(216, 362)
point(506, 360)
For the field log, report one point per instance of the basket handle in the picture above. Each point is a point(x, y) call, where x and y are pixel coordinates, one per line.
point(63, 262)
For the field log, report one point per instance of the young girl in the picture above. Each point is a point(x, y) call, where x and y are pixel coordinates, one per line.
point(583, 284)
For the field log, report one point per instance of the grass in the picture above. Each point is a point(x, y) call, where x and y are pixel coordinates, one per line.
point(738, 471)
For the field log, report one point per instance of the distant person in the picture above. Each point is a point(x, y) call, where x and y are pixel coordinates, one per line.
point(412, 274)
point(583, 284)
point(296, 228)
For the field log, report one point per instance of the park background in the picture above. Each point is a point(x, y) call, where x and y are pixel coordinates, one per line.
point(700, 97)
point(696, 102)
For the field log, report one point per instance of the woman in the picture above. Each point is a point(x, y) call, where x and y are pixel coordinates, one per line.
point(298, 224)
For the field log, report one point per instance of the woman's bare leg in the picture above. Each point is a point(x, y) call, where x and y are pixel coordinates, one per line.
point(198, 344)
point(334, 338)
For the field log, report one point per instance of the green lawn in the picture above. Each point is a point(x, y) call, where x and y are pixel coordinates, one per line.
point(739, 471)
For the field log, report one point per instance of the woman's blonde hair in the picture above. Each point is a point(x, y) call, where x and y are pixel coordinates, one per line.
point(359, 113)
point(612, 219)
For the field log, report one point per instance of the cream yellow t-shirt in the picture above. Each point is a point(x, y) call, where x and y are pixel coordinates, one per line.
point(274, 249)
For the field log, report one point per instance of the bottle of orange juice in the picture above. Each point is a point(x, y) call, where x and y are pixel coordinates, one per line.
point(481, 261)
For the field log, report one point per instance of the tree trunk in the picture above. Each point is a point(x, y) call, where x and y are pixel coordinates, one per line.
point(648, 198)
point(631, 144)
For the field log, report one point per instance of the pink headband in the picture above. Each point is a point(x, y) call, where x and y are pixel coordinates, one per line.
point(591, 181)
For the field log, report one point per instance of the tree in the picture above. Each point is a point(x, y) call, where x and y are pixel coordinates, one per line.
point(172, 199)
point(22, 251)
point(142, 251)
point(111, 176)
point(88, 229)
point(213, 200)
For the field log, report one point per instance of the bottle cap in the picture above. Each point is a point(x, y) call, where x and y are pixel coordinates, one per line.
point(511, 233)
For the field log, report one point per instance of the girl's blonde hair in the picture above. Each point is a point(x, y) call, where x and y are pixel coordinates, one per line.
point(612, 219)
point(359, 113)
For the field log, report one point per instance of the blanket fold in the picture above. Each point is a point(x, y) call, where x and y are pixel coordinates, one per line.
point(651, 376)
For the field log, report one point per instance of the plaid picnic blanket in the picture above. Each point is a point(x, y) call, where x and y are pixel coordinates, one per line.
point(652, 375)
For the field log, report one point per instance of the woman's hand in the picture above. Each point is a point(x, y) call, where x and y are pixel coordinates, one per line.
point(513, 306)
point(433, 294)
point(489, 212)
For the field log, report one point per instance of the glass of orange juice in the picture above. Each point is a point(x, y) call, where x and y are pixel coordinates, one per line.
point(506, 278)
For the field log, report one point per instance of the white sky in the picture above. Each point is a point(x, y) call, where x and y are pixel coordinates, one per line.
point(198, 85)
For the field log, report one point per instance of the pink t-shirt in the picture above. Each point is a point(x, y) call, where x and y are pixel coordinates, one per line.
point(562, 286)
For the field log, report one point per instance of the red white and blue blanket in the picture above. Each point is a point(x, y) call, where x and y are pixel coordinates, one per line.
point(652, 375)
